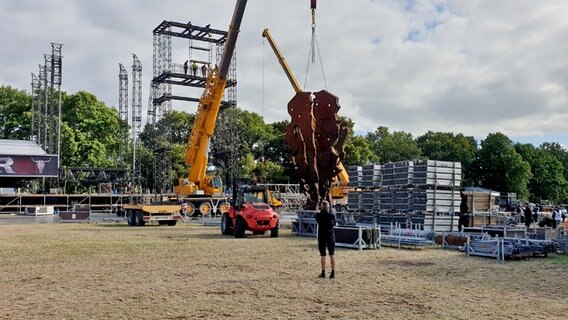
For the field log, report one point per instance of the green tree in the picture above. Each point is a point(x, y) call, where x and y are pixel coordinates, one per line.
point(548, 181)
point(358, 152)
point(447, 146)
point(253, 133)
point(92, 133)
point(395, 146)
point(269, 172)
point(501, 168)
point(278, 151)
point(559, 152)
point(15, 114)
point(173, 128)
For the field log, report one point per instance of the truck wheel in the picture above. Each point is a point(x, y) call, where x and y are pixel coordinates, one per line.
point(224, 207)
point(189, 209)
point(130, 218)
point(171, 223)
point(205, 208)
point(240, 227)
point(274, 232)
point(139, 219)
point(226, 225)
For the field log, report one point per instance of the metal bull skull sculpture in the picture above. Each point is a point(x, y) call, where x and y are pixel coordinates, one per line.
point(316, 140)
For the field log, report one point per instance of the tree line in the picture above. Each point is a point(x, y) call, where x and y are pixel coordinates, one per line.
point(94, 136)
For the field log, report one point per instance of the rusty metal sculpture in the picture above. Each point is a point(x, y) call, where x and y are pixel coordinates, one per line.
point(316, 140)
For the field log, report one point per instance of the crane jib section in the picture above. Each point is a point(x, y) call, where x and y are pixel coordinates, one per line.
point(204, 125)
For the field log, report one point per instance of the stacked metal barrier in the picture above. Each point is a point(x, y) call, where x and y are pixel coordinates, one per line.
point(562, 244)
point(509, 248)
point(399, 237)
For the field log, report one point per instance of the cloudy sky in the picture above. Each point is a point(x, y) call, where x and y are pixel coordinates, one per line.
point(466, 66)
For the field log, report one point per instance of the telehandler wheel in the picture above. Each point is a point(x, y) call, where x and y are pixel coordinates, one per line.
point(139, 219)
point(274, 232)
point(130, 218)
point(226, 225)
point(240, 227)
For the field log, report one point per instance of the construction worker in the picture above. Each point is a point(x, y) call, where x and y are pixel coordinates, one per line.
point(528, 215)
point(558, 213)
point(204, 70)
point(326, 237)
point(185, 67)
point(194, 68)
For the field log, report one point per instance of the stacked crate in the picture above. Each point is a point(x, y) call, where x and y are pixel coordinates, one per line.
point(437, 173)
point(386, 200)
point(371, 176)
point(370, 200)
point(355, 175)
point(355, 200)
point(402, 200)
point(435, 200)
point(398, 174)
point(387, 175)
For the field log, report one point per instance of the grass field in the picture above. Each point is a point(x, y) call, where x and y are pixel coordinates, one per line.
point(111, 271)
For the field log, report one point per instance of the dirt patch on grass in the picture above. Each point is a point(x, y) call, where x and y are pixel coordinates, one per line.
point(95, 271)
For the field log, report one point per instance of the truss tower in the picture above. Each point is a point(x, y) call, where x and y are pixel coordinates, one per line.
point(136, 122)
point(205, 47)
point(123, 93)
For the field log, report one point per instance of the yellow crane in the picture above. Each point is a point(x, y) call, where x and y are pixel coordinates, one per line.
point(340, 185)
point(198, 183)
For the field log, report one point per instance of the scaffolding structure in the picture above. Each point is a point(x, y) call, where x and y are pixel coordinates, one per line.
point(123, 93)
point(136, 178)
point(36, 109)
point(223, 146)
point(204, 45)
point(123, 108)
point(46, 105)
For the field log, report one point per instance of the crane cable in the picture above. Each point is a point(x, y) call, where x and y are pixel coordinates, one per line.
point(314, 45)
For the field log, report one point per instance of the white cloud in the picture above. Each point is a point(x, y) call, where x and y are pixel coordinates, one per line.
point(468, 66)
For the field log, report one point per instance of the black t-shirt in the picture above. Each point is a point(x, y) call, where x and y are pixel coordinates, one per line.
point(528, 213)
point(326, 221)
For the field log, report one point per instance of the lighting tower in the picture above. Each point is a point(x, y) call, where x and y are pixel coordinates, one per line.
point(136, 178)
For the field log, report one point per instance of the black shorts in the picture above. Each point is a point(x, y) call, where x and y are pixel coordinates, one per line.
point(327, 242)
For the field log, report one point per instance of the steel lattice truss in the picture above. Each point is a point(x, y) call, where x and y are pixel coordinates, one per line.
point(123, 93)
point(46, 104)
point(207, 43)
point(136, 120)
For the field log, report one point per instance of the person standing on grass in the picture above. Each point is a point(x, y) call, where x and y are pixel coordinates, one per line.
point(528, 215)
point(326, 237)
point(558, 217)
point(536, 214)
